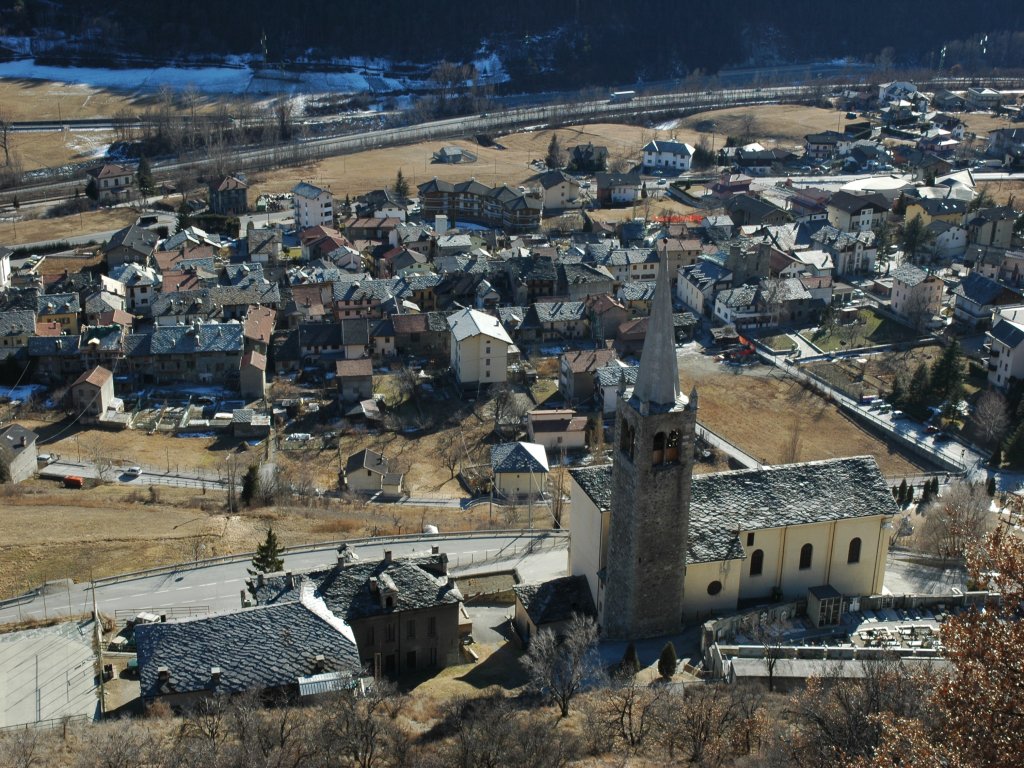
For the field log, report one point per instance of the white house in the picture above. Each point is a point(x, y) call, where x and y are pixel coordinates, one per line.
point(520, 469)
point(667, 155)
point(313, 206)
point(561, 191)
point(479, 348)
point(916, 295)
point(1005, 347)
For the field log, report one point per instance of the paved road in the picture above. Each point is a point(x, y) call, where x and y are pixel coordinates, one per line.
point(149, 476)
point(217, 587)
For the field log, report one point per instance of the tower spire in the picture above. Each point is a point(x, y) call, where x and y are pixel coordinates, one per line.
point(657, 382)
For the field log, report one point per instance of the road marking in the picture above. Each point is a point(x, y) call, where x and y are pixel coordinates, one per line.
point(210, 584)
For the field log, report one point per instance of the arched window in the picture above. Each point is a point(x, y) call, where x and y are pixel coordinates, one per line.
point(658, 449)
point(854, 554)
point(672, 447)
point(714, 587)
point(389, 602)
point(757, 562)
point(806, 551)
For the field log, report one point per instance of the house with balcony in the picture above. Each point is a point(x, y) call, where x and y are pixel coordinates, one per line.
point(1005, 347)
point(672, 156)
point(977, 296)
point(916, 294)
point(229, 196)
point(113, 183)
point(851, 212)
point(312, 205)
point(478, 349)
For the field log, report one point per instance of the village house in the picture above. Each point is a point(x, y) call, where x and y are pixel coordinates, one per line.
point(826, 145)
point(1004, 346)
point(278, 650)
point(588, 158)
point(610, 381)
point(550, 606)
point(16, 327)
point(354, 380)
point(992, 226)
point(479, 349)
point(405, 613)
point(63, 308)
point(852, 212)
point(263, 246)
point(916, 295)
point(576, 372)
point(131, 244)
point(312, 205)
point(674, 156)
point(977, 296)
point(618, 188)
point(559, 429)
point(853, 253)
point(560, 191)
point(229, 196)
point(929, 209)
point(474, 202)
point(366, 472)
point(140, 286)
point(18, 452)
point(252, 375)
point(92, 394)
point(113, 183)
point(983, 99)
point(519, 470)
point(699, 284)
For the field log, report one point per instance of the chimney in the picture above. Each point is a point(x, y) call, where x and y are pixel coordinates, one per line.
point(387, 555)
point(215, 674)
point(289, 580)
point(163, 674)
point(373, 585)
point(22, 441)
point(319, 664)
point(435, 550)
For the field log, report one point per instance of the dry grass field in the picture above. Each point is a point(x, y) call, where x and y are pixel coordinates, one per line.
point(47, 149)
point(34, 230)
point(776, 420)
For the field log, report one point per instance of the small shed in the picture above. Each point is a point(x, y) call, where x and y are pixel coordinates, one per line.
point(551, 605)
point(824, 605)
point(246, 422)
point(354, 379)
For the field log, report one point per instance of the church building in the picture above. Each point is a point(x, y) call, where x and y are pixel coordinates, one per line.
point(659, 547)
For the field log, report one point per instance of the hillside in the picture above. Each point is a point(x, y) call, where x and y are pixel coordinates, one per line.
point(566, 43)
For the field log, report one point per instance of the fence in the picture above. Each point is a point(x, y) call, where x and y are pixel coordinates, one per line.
point(327, 546)
point(56, 722)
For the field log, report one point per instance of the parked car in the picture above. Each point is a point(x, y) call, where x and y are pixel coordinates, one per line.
point(133, 471)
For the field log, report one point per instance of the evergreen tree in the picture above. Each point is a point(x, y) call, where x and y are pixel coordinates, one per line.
point(918, 391)
point(91, 191)
point(947, 377)
point(668, 661)
point(5, 470)
point(896, 494)
point(935, 486)
point(630, 663)
point(145, 177)
point(990, 485)
point(910, 495)
point(184, 217)
point(268, 555)
point(401, 188)
point(898, 394)
point(926, 492)
point(554, 155)
point(251, 485)
point(901, 497)
point(915, 237)
point(1013, 448)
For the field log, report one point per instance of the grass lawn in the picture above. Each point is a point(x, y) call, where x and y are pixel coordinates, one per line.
point(780, 343)
point(871, 329)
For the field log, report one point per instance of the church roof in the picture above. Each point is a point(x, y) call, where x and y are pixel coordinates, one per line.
point(658, 380)
point(724, 503)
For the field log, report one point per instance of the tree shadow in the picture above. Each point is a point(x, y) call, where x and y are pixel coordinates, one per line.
point(501, 668)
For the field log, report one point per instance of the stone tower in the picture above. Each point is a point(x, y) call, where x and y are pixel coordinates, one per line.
point(650, 503)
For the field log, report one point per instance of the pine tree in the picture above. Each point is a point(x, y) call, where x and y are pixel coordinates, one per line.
point(668, 661)
point(990, 485)
point(554, 156)
point(91, 190)
point(251, 485)
point(926, 492)
point(947, 378)
point(268, 555)
point(898, 394)
point(910, 495)
point(401, 188)
point(901, 497)
point(184, 217)
point(896, 494)
point(630, 663)
point(918, 391)
point(145, 177)
point(1013, 448)
point(935, 486)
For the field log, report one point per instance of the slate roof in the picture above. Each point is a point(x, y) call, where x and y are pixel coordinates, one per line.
point(556, 600)
point(256, 648)
point(636, 290)
point(909, 274)
point(982, 290)
point(418, 582)
point(611, 375)
point(307, 190)
point(346, 332)
point(583, 360)
point(366, 459)
point(673, 147)
point(360, 368)
point(940, 206)
point(772, 497)
point(58, 304)
point(1009, 333)
point(189, 303)
point(554, 178)
point(17, 322)
point(50, 346)
point(738, 297)
point(851, 203)
point(207, 338)
point(519, 457)
point(135, 238)
point(617, 257)
point(556, 311)
point(244, 295)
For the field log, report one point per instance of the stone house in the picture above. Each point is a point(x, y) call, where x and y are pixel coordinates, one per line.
point(354, 380)
point(92, 394)
point(131, 244)
point(229, 196)
point(519, 470)
point(576, 372)
point(113, 183)
point(557, 429)
point(312, 206)
point(18, 452)
point(252, 375)
point(916, 295)
point(550, 606)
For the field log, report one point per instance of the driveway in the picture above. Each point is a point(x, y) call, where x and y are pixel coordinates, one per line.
point(490, 622)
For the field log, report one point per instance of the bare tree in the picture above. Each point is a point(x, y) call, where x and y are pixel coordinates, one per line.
point(5, 133)
point(365, 729)
point(991, 418)
point(635, 710)
point(558, 666)
point(699, 725)
point(103, 463)
point(450, 450)
point(769, 637)
point(791, 451)
point(509, 410)
point(956, 521)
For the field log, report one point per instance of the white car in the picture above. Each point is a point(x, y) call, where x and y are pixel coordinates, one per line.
point(133, 471)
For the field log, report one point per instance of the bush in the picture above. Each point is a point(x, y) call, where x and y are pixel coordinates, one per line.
point(668, 661)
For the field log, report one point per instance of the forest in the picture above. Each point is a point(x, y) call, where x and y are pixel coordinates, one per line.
point(559, 43)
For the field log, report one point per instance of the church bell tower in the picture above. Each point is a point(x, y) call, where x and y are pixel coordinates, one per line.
point(650, 504)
